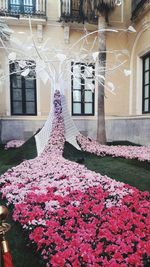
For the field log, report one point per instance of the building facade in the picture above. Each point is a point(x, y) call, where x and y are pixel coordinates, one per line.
point(51, 29)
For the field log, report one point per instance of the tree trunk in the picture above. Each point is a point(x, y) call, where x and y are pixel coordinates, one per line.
point(101, 133)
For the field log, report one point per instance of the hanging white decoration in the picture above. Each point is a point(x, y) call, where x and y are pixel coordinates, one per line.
point(12, 56)
point(22, 64)
point(90, 86)
point(127, 72)
point(111, 86)
point(131, 29)
point(101, 77)
point(95, 55)
point(25, 72)
point(118, 2)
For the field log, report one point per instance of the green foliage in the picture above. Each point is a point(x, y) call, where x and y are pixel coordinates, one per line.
point(22, 254)
point(95, 7)
point(15, 156)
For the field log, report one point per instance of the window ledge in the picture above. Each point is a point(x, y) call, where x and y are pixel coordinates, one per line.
point(84, 117)
point(138, 117)
point(23, 21)
point(23, 118)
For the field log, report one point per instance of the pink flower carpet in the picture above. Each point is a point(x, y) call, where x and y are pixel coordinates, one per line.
point(75, 216)
point(14, 144)
point(141, 153)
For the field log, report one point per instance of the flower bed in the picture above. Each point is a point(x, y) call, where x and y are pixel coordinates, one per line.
point(14, 144)
point(75, 216)
point(141, 153)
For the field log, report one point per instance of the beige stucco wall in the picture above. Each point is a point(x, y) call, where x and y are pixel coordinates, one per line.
point(53, 10)
point(139, 46)
point(2, 104)
point(116, 103)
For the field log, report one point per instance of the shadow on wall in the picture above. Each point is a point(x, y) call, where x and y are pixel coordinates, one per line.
point(135, 130)
point(18, 129)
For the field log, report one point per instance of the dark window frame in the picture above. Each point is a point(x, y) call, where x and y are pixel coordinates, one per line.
point(145, 84)
point(83, 91)
point(21, 7)
point(23, 90)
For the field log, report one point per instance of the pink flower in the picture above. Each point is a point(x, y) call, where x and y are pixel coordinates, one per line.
point(14, 144)
point(75, 216)
point(141, 153)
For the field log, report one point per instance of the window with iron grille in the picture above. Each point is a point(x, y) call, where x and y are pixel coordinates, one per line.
point(22, 6)
point(83, 86)
point(146, 84)
point(22, 92)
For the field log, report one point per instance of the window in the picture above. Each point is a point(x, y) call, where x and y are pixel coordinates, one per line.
point(83, 86)
point(23, 92)
point(22, 6)
point(146, 84)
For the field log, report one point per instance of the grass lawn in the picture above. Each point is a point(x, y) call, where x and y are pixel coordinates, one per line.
point(133, 172)
point(23, 255)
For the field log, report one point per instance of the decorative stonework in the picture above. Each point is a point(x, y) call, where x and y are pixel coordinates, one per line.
point(66, 34)
point(40, 32)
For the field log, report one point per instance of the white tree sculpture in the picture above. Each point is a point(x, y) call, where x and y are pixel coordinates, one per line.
point(53, 64)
